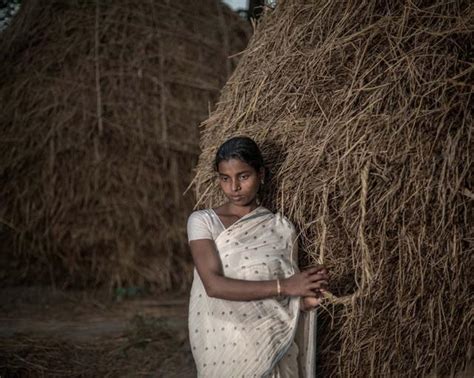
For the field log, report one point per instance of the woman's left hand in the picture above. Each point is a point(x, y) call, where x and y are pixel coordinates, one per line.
point(310, 303)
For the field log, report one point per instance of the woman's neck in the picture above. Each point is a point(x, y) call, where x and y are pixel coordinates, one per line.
point(239, 211)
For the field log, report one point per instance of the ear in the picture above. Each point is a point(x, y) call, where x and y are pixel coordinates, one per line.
point(261, 174)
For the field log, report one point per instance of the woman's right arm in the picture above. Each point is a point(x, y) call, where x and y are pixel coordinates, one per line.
point(208, 265)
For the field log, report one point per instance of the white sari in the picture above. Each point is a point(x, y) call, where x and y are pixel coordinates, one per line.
point(253, 338)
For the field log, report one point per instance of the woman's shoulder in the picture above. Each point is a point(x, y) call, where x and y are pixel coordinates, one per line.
point(201, 225)
point(201, 211)
point(200, 214)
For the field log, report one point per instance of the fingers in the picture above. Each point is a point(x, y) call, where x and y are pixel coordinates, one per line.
point(317, 293)
point(317, 277)
point(322, 284)
point(314, 280)
point(320, 293)
point(310, 303)
point(317, 302)
point(315, 274)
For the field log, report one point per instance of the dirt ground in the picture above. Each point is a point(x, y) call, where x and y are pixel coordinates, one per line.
point(45, 332)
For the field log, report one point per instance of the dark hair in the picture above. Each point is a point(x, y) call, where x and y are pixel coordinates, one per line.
point(241, 148)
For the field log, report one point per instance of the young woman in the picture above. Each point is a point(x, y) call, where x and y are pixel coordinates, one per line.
point(247, 293)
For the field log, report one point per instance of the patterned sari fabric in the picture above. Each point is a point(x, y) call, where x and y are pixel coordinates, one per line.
point(250, 338)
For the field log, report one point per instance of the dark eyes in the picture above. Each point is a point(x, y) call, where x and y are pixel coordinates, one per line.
point(241, 177)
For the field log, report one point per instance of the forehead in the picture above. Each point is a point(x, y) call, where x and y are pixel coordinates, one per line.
point(233, 166)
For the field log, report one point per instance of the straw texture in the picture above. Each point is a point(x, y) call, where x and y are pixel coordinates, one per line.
point(363, 111)
point(101, 102)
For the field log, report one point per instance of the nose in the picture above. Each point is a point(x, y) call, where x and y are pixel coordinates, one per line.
point(235, 186)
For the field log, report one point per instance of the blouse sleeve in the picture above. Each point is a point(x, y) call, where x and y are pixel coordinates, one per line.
point(197, 227)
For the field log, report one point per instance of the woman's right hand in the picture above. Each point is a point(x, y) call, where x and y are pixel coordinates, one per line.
point(306, 283)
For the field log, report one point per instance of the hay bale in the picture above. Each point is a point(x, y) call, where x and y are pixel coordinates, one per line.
point(101, 102)
point(362, 110)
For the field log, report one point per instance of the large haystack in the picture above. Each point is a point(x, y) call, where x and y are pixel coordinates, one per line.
point(101, 102)
point(363, 112)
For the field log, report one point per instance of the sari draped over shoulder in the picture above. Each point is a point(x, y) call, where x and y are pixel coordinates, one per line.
point(249, 338)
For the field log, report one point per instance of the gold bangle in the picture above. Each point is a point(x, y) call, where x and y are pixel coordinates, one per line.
point(278, 287)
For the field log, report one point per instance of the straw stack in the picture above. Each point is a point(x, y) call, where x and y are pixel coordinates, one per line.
point(363, 112)
point(101, 102)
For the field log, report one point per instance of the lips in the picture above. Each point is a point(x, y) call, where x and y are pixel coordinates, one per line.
point(237, 198)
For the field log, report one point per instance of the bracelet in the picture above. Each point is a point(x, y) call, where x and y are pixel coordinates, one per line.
point(278, 287)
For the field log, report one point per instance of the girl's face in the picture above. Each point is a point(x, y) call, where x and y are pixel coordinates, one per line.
point(239, 181)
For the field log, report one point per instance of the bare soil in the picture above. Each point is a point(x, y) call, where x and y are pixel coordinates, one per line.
point(54, 333)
